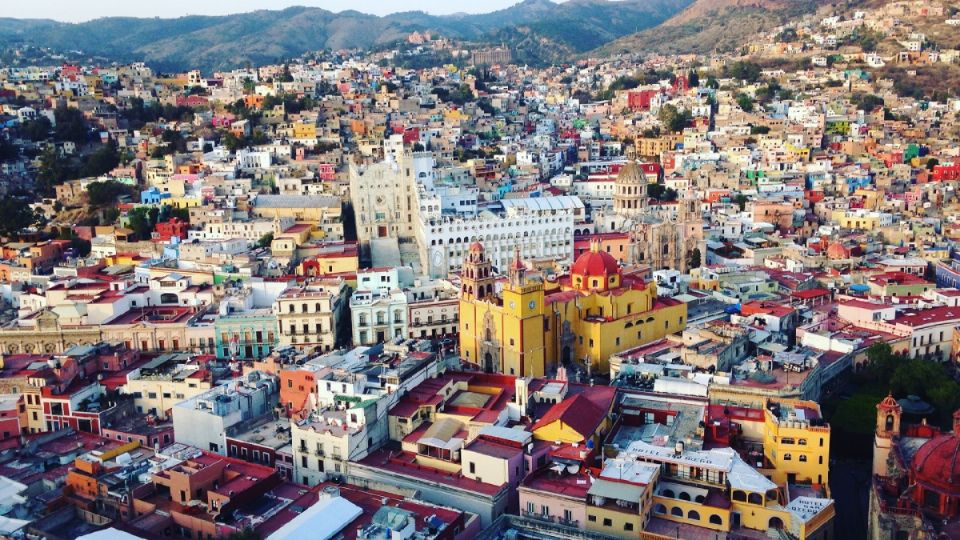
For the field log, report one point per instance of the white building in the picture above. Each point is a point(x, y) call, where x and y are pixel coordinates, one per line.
point(206, 420)
point(541, 227)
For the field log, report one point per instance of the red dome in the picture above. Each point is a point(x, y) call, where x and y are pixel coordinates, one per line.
point(936, 464)
point(476, 247)
point(595, 263)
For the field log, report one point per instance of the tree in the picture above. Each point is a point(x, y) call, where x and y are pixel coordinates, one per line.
point(80, 246)
point(672, 119)
point(103, 194)
point(231, 141)
point(8, 150)
point(103, 160)
point(693, 79)
point(17, 215)
point(265, 240)
point(71, 125)
point(37, 130)
point(139, 222)
point(693, 258)
point(931, 163)
point(759, 130)
point(154, 216)
point(741, 201)
point(747, 71)
point(745, 102)
point(882, 362)
point(867, 102)
point(787, 35)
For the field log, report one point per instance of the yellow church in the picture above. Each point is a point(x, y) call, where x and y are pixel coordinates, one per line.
point(535, 326)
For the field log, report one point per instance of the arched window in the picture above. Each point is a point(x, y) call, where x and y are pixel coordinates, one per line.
point(694, 515)
point(740, 496)
point(684, 496)
point(716, 519)
point(659, 509)
point(668, 493)
point(755, 498)
point(889, 423)
point(776, 523)
point(677, 511)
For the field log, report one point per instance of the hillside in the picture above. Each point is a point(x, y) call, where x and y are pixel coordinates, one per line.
point(710, 25)
point(266, 36)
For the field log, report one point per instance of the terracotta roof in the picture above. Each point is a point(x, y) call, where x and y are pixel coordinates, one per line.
point(578, 412)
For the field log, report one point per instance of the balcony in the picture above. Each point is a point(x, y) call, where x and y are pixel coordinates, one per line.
point(319, 453)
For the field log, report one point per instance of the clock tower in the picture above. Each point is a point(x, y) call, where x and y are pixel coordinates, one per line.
point(524, 314)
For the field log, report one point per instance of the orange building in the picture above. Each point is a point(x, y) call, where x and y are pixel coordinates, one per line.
point(253, 101)
point(296, 386)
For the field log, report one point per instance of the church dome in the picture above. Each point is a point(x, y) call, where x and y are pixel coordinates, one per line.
point(936, 464)
point(595, 263)
point(476, 247)
point(631, 174)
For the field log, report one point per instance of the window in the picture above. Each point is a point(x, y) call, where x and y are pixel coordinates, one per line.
point(628, 526)
point(802, 458)
point(531, 508)
point(592, 518)
point(544, 510)
point(473, 468)
point(607, 522)
point(787, 457)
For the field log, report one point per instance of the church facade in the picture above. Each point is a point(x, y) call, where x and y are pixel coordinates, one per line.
point(533, 326)
point(664, 236)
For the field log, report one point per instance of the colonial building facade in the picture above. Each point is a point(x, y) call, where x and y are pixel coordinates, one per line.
point(534, 326)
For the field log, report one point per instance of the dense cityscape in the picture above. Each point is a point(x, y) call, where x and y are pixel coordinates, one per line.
point(436, 290)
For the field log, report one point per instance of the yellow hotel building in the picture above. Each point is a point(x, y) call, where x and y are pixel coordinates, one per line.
point(534, 326)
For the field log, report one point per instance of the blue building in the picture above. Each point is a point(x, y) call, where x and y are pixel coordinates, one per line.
point(248, 334)
point(153, 196)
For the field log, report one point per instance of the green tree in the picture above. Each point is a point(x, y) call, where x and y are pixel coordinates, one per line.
point(265, 240)
point(17, 215)
point(931, 163)
point(672, 119)
point(741, 201)
point(71, 125)
point(231, 141)
point(882, 363)
point(693, 258)
point(139, 221)
point(743, 70)
point(37, 130)
point(693, 80)
point(8, 150)
point(103, 160)
point(745, 102)
point(103, 194)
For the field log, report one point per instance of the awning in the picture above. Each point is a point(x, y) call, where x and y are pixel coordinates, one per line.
point(616, 490)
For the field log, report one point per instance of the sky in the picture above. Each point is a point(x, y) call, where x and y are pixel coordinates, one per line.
point(84, 10)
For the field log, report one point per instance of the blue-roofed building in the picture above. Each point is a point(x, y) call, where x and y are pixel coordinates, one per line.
point(153, 196)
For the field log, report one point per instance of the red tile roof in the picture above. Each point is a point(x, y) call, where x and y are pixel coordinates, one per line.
point(578, 412)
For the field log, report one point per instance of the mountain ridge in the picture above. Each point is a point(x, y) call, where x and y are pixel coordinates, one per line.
point(225, 41)
point(707, 26)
